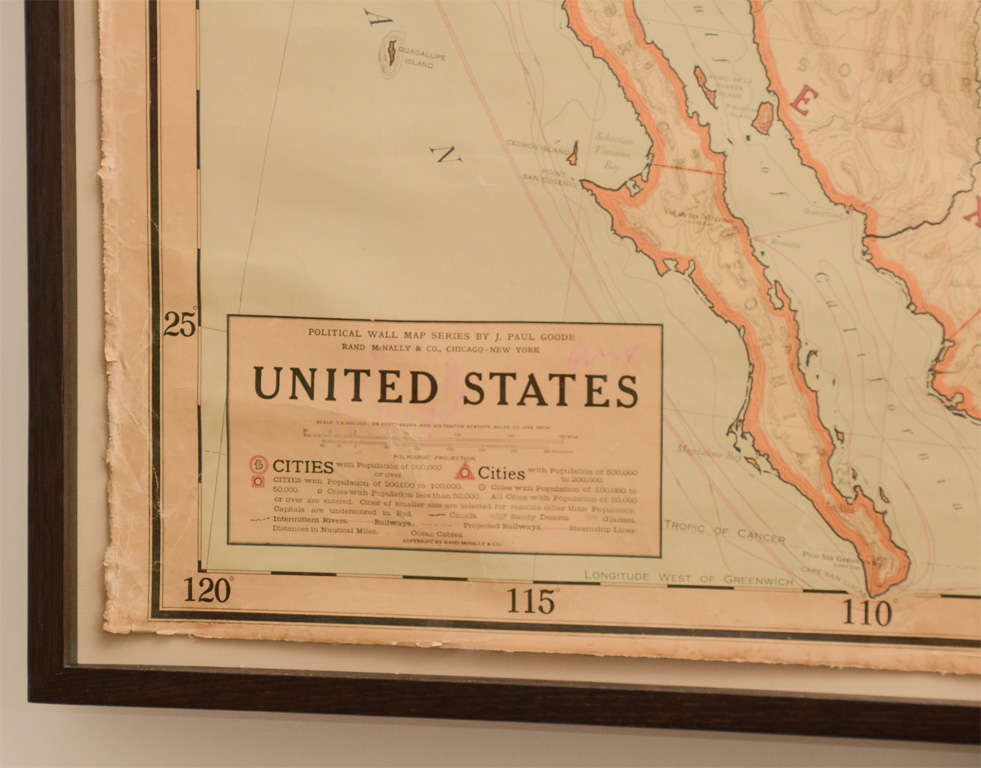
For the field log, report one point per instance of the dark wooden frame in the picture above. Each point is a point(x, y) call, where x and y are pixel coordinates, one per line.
point(55, 677)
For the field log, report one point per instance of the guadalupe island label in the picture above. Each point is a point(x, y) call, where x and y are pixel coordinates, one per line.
point(520, 438)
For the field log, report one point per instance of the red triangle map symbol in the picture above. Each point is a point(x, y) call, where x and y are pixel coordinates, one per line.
point(464, 472)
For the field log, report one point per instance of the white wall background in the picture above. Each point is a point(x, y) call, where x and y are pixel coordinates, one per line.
point(44, 735)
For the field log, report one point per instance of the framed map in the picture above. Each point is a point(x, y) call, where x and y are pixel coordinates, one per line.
point(632, 330)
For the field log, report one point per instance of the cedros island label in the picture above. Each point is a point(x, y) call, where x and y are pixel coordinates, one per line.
point(511, 438)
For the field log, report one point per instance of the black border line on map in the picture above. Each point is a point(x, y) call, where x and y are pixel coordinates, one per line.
point(153, 116)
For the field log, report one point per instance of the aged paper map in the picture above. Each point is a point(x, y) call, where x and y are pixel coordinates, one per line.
point(633, 327)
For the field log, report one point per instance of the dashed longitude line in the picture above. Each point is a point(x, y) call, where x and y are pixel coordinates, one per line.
point(265, 153)
point(248, 251)
point(686, 168)
point(574, 216)
point(582, 202)
point(966, 322)
point(507, 153)
point(825, 223)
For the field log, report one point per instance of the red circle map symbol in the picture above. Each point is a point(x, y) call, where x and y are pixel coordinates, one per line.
point(259, 464)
